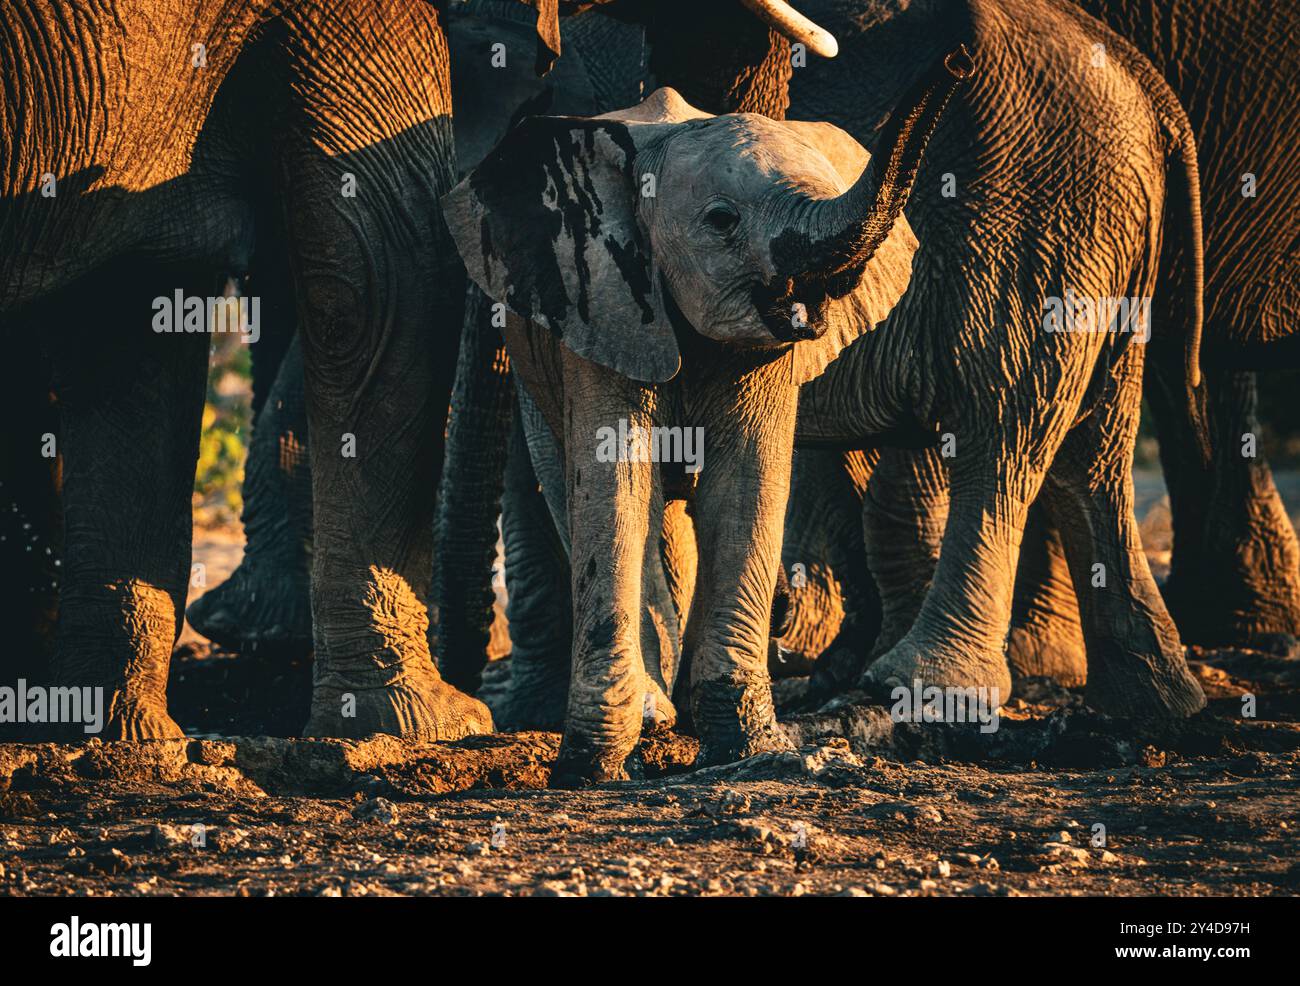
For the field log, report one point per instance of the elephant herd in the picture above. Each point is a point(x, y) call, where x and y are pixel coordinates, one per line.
point(687, 306)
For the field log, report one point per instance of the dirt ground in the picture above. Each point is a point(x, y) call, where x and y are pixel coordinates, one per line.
point(1056, 801)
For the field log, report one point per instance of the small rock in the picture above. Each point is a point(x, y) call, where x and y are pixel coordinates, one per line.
point(943, 869)
point(379, 810)
point(1151, 757)
point(477, 848)
point(169, 836)
point(853, 892)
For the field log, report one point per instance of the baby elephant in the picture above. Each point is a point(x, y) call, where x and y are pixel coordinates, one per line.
point(676, 275)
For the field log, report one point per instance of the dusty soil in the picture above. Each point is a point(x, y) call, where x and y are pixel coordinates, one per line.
point(1208, 806)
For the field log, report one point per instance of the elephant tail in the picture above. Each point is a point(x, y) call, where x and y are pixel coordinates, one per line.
point(1186, 182)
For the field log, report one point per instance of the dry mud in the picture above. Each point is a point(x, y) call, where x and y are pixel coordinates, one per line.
point(1207, 806)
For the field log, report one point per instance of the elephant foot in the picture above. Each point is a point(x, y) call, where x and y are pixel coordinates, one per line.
point(657, 709)
point(1139, 686)
point(539, 695)
point(735, 719)
point(836, 671)
point(256, 609)
point(133, 719)
point(581, 765)
point(914, 664)
point(1237, 602)
point(416, 705)
point(1035, 651)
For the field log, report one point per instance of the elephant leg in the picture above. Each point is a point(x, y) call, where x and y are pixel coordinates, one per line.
point(836, 611)
point(904, 514)
point(609, 525)
point(131, 404)
point(540, 531)
point(1046, 639)
point(470, 498)
point(380, 302)
point(31, 515)
point(957, 638)
point(1135, 659)
point(266, 603)
point(747, 416)
point(680, 559)
point(1235, 568)
point(538, 602)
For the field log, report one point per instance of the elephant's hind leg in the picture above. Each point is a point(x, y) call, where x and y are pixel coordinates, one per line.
point(1235, 570)
point(1135, 659)
point(1046, 639)
point(131, 405)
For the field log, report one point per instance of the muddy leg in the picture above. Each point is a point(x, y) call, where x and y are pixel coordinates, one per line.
point(1135, 659)
point(1046, 638)
point(131, 405)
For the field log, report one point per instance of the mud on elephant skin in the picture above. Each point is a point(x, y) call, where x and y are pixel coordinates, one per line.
point(968, 353)
point(167, 176)
point(702, 305)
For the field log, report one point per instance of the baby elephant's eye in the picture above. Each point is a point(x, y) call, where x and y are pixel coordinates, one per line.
point(722, 217)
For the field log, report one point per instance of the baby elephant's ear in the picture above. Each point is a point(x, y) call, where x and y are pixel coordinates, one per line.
point(547, 225)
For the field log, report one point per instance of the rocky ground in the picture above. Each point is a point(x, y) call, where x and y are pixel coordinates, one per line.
point(1056, 801)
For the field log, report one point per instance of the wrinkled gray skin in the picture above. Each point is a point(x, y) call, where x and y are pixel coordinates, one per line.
point(965, 353)
point(1234, 567)
point(603, 67)
point(629, 338)
point(1235, 570)
point(164, 186)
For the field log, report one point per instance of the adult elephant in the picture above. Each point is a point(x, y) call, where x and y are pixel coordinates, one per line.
point(148, 149)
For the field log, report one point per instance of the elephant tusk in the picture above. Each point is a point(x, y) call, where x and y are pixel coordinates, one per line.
point(795, 26)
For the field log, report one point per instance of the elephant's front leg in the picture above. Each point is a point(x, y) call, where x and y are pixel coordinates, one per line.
point(747, 414)
point(131, 404)
point(610, 484)
point(957, 640)
point(367, 154)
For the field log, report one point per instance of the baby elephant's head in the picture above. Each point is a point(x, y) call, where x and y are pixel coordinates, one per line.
point(615, 231)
